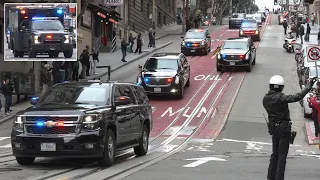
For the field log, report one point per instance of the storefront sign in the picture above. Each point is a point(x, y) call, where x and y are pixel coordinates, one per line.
point(113, 2)
point(101, 15)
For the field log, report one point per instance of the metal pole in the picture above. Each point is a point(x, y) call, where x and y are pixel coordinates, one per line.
point(230, 7)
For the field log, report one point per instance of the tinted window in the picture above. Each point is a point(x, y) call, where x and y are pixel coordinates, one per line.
point(153, 64)
point(76, 95)
point(249, 25)
point(47, 25)
point(125, 90)
point(141, 94)
point(195, 35)
point(116, 93)
point(235, 45)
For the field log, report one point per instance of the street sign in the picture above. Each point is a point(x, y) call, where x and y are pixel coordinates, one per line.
point(313, 55)
point(202, 160)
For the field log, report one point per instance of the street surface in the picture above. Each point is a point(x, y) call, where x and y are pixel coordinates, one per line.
point(8, 56)
point(217, 132)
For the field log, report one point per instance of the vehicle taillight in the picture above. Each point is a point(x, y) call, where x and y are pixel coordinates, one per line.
point(169, 80)
point(26, 17)
point(23, 12)
point(49, 36)
point(241, 56)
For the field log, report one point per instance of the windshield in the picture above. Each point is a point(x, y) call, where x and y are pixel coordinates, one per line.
point(237, 16)
point(153, 64)
point(313, 73)
point(195, 35)
point(47, 25)
point(249, 25)
point(76, 95)
point(235, 45)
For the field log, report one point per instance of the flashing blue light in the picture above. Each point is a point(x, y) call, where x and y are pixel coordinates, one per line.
point(223, 56)
point(40, 123)
point(59, 11)
point(34, 98)
point(188, 44)
point(146, 80)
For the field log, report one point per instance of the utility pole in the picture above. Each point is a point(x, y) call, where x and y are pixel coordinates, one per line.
point(230, 7)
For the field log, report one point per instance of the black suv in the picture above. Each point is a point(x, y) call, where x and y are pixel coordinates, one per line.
point(165, 73)
point(83, 120)
point(196, 41)
point(236, 52)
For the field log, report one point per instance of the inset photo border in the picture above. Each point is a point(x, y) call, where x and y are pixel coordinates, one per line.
point(40, 31)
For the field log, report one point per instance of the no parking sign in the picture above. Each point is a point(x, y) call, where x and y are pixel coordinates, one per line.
point(313, 55)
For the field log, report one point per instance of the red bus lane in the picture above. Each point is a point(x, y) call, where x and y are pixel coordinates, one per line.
point(202, 66)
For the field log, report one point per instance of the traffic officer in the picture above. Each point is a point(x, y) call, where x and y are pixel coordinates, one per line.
point(276, 105)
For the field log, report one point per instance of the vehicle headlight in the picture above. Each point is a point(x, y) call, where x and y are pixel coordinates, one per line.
point(67, 39)
point(203, 43)
point(241, 32)
point(36, 39)
point(91, 122)
point(247, 56)
point(218, 56)
point(18, 124)
point(139, 81)
point(257, 32)
point(177, 80)
point(183, 43)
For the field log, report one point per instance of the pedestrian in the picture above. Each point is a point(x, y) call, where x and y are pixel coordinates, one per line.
point(276, 104)
point(131, 41)
point(7, 91)
point(150, 35)
point(124, 45)
point(88, 62)
point(285, 26)
point(314, 101)
point(85, 62)
point(307, 36)
point(56, 66)
point(312, 19)
point(139, 44)
point(95, 59)
point(75, 70)
point(67, 67)
point(45, 77)
point(154, 39)
point(301, 33)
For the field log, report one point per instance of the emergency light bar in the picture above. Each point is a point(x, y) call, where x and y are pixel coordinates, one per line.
point(36, 6)
point(45, 18)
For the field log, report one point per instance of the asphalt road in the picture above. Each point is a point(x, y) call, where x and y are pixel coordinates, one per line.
point(8, 56)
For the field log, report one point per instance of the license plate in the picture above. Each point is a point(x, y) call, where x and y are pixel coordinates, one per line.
point(232, 63)
point(193, 50)
point(48, 146)
point(157, 89)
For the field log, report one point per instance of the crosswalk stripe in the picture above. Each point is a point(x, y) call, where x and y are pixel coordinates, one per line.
point(5, 142)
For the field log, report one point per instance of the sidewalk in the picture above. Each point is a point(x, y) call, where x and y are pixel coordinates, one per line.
point(16, 107)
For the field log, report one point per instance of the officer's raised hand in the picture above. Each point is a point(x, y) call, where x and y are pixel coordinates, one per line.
point(311, 82)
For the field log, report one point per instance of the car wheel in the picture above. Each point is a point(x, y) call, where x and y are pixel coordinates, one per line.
point(188, 82)
point(219, 68)
point(142, 149)
point(305, 115)
point(249, 67)
point(109, 150)
point(25, 160)
point(181, 92)
point(68, 54)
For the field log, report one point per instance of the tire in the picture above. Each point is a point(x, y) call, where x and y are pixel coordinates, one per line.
point(188, 82)
point(206, 52)
point(181, 93)
point(25, 160)
point(16, 53)
point(68, 54)
point(219, 68)
point(249, 67)
point(109, 150)
point(142, 149)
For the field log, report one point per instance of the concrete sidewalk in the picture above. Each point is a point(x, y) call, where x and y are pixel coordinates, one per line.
point(16, 107)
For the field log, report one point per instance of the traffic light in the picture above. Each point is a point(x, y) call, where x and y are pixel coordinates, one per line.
point(275, 2)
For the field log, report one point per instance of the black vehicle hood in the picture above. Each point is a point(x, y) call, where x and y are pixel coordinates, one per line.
point(160, 73)
point(67, 109)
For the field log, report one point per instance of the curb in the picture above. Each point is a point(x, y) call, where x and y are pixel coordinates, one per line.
point(6, 118)
point(129, 62)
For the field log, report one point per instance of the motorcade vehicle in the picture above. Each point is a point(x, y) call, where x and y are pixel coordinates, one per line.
point(258, 18)
point(236, 52)
point(249, 16)
point(309, 73)
point(196, 41)
point(236, 19)
point(165, 74)
point(93, 119)
point(264, 14)
point(38, 30)
point(289, 42)
point(250, 28)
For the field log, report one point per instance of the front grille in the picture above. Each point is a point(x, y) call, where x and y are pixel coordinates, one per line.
point(51, 130)
point(49, 118)
point(158, 81)
point(232, 57)
point(52, 42)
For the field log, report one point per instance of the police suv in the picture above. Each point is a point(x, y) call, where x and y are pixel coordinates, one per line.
point(38, 30)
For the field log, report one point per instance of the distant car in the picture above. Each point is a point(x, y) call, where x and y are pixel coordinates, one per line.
point(237, 52)
point(165, 74)
point(196, 41)
point(250, 28)
point(307, 111)
point(235, 20)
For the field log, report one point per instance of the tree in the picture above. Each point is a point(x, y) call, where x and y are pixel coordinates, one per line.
point(254, 8)
point(242, 5)
point(218, 8)
point(84, 6)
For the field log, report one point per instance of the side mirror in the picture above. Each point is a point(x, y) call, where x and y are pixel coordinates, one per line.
point(182, 37)
point(34, 100)
point(123, 100)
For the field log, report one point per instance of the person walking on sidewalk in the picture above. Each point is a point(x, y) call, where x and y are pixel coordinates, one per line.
point(131, 41)
point(45, 77)
point(285, 26)
point(307, 36)
point(95, 59)
point(139, 44)
point(151, 37)
point(154, 39)
point(312, 19)
point(85, 62)
point(314, 104)
point(7, 91)
point(124, 45)
point(301, 33)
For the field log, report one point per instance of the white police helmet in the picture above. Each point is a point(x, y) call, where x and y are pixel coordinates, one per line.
point(277, 80)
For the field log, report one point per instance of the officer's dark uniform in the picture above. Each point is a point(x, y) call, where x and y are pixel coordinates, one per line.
point(276, 105)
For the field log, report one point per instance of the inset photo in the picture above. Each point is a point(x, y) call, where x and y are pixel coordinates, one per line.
point(40, 32)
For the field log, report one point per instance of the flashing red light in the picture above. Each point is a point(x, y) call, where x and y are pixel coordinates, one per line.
point(26, 17)
point(49, 36)
point(23, 12)
point(60, 124)
point(169, 80)
point(122, 98)
point(241, 56)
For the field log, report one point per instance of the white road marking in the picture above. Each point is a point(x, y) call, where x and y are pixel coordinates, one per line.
point(202, 160)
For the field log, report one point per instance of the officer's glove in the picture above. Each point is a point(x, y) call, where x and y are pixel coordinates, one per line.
point(311, 82)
